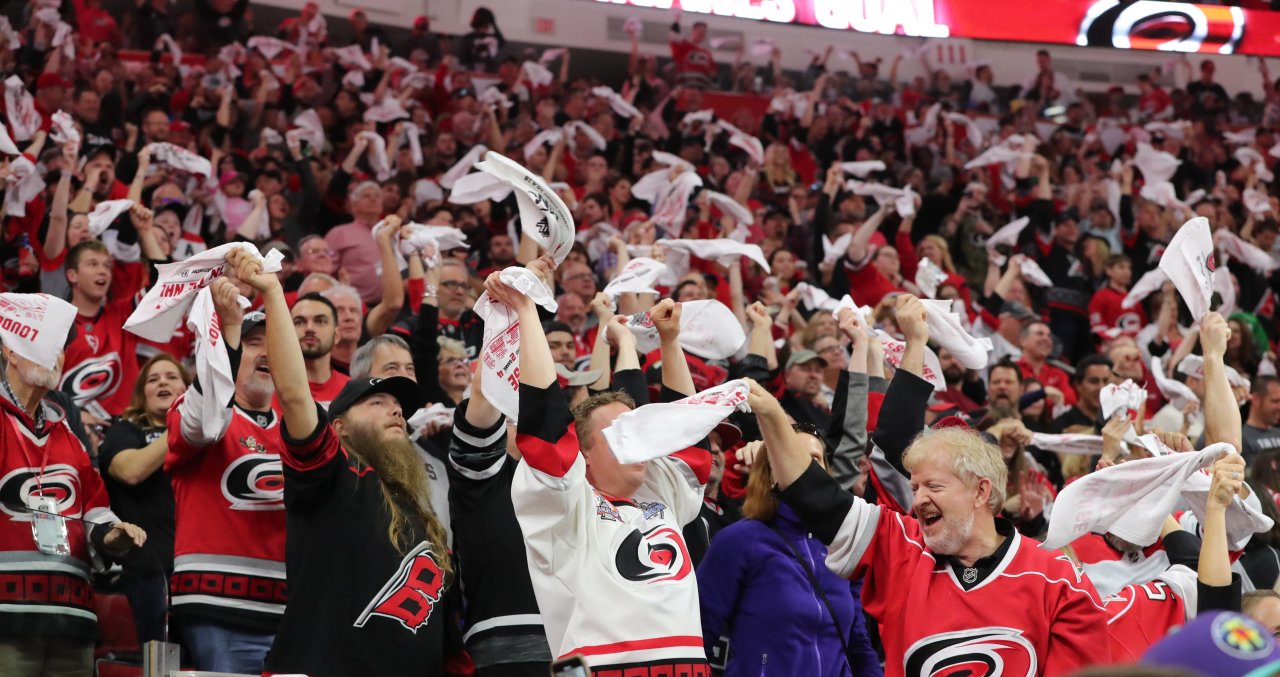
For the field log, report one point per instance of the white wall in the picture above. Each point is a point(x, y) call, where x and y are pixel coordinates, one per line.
point(596, 25)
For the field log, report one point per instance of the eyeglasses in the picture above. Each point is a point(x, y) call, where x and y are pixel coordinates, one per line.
point(320, 252)
point(455, 285)
point(578, 276)
point(454, 361)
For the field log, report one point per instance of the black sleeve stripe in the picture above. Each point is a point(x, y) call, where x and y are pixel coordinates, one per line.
point(819, 501)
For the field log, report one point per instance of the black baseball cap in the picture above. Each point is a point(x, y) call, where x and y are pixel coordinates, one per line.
point(403, 389)
point(252, 320)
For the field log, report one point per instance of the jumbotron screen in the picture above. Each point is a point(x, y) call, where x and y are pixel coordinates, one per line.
point(1131, 24)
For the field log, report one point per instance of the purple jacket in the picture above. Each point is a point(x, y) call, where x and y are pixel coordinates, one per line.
point(755, 593)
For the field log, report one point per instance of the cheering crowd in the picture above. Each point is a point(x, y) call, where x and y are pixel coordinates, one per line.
point(344, 354)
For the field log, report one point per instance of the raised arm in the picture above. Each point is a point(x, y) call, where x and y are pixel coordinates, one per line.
point(284, 353)
point(675, 368)
point(384, 314)
point(55, 241)
point(862, 235)
point(1221, 413)
point(140, 176)
point(1227, 483)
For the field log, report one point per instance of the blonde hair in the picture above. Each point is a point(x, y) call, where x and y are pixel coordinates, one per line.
point(941, 243)
point(972, 459)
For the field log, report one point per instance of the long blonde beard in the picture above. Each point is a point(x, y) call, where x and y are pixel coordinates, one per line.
point(404, 487)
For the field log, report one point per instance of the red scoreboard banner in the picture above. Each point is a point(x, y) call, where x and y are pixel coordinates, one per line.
point(1121, 24)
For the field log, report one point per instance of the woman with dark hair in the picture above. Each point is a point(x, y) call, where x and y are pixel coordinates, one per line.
point(766, 591)
point(1261, 557)
point(1241, 355)
point(132, 461)
point(480, 47)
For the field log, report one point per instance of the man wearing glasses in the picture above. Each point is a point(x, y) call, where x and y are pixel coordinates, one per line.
point(457, 320)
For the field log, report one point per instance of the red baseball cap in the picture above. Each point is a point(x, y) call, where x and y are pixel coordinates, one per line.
point(51, 80)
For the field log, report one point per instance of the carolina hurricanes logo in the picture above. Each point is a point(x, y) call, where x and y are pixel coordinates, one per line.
point(982, 652)
point(658, 554)
point(254, 483)
point(60, 482)
point(411, 594)
point(1209, 264)
point(1129, 323)
point(1166, 26)
point(94, 378)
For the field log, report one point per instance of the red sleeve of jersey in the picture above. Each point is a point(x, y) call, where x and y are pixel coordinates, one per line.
point(1078, 631)
point(180, 450)
point(313, 451)
point(545, 434)
point(906, 254)
point(1064, 384)
point(866, 285)
point(415, 287)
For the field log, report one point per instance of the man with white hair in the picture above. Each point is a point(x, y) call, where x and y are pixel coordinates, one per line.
point(954, 548)
point(47, 621)
point(353, 245)
point(346, 300)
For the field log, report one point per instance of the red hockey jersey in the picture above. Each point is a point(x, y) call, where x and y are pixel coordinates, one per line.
point(1033, 613)
point(102, 362)
point(230, 522)
point(1142, 614)
point(1105, 312)
point(46, 595)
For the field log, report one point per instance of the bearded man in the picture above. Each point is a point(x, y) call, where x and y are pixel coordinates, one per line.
point(367, 560)
point(315, 319)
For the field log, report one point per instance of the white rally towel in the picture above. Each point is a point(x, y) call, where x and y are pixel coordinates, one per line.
point(24, 185)
point(21, 108)
point(269, 47)
point(104, 214)
point(213, 366)
point(893, 350)
point(1244, 516)
point(160, 312)
point(710, 330)
point(671, 207)
point(351, 57)
point(543, 215)
point(722, 251)
point(1129, 500)
point(730, 207)
point(1148, 284)
point(1033, 273)
point(816, 298)
point(309, 128)
point(863, 168)
point(1127, 397)
point(1246, 252)
point(656, 430)
point(832, 251)
point(637, 277)
point(1011, 149)
point(6, 143)
point(378, 161)
point(1251, 158)
point(1177, 392)
point(619, 105)
point(181, 158)
point(903, 199)
point(946, 328)
point(478, 187)
point(463, 166)
point(1006, 235)
point(64, 128)
point(500, 348)
point(1068, 443)
point(1188, 261)
point(929, 277)
point(436, 414)
point(537, 74)
point(1256, 201)
point(35, 326)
